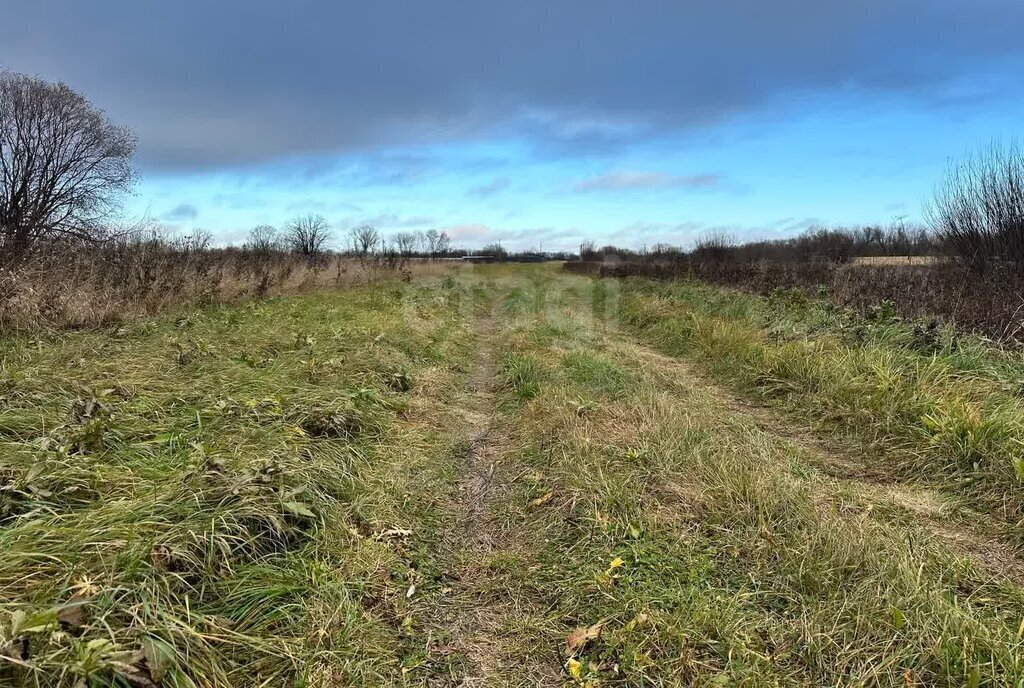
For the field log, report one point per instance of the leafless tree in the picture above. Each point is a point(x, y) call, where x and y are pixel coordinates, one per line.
point(444, 243)
point(437, 243)
point(196, 241)
point(263, 239)
point(307, 235)
point(430, 241)
point(978, 211)
point(405, 243)
point(364, 239)
point(714, 245)
point(63, 164)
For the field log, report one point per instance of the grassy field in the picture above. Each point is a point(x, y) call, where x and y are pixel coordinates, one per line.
point(511, 476)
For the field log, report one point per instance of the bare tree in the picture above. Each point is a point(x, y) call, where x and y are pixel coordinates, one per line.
point(63, 164)
point(430, 241)
point(197, 241)
point(714, 245)
point(405, 243)
point(978, 211)
point(263, 239)
point(444, 243)
point(364, 239)
point(437, 243)
point(307, 235)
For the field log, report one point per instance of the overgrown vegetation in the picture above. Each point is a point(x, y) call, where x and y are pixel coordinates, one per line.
point(987, 304)
point(656, 536)
point(85, 285)
point(964, 269)
point(238, 496)
point(943, 408)
point(506, 476)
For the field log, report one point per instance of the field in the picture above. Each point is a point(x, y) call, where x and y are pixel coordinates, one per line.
point(511, 475)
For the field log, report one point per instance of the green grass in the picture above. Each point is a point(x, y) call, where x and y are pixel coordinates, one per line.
point(193, 501)
point(740, 563)
point(942, 408)
point(277, 493)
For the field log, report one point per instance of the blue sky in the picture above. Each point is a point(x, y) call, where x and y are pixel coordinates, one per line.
point(537, 123)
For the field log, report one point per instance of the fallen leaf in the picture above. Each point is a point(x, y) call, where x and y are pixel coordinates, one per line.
point(575, 668)
point(898, 619)
point(581, 636)
point(299, 509)
point(159, 656)
point(393, 533)
point(541, 501)
point(411, 591)
point(162, 557)
point(74, 614)
point(615, 564)
point(639, 620)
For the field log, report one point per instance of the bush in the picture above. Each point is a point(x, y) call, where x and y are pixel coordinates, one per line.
point(978, 211)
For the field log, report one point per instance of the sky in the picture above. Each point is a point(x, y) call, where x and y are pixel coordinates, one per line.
point(536, 123)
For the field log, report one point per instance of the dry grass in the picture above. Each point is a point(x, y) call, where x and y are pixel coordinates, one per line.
point(687, 546)
point(894, 260)
point(95, 286)
point(268, 494)
point(991, 304)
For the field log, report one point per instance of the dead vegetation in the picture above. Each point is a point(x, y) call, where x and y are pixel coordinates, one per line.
point(85, 285)
point(487, 479)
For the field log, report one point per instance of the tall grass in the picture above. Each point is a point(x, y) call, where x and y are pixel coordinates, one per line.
point(198, 500)
point(682, 546)
point(988, 304)
point(66, 285)
point(944, 408)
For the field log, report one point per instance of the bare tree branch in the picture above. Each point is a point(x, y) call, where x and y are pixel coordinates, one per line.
point(63, 164)
point(307, 235)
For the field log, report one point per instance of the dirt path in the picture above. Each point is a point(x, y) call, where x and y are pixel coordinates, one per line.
point(556, 490)
point(482, 598)
point(845, 468)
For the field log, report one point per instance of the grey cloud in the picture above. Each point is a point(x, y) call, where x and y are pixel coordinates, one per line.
point(493, 187)
point(209, 85)
point(632, 180)
point(182, 211)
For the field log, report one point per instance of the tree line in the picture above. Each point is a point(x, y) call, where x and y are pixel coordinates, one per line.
point(64, 167)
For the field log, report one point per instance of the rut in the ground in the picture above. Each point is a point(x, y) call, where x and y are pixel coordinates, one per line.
point(972, 535)
point(482, 598)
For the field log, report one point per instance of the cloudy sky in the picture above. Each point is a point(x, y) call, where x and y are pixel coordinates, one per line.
point(537, 120)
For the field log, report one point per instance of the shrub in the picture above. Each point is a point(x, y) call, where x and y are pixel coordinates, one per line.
point(978, 211)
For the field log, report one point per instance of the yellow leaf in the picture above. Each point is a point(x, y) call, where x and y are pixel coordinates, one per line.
point(616, 563)
point(578, 638)
point(541, 501)
point(640, 619)
point(575, 668)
